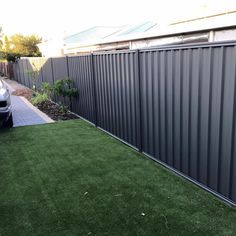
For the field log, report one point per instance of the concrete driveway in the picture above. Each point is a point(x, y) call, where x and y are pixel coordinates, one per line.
point(24, 113)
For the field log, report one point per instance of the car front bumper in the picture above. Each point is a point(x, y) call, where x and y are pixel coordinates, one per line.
point(5, 114)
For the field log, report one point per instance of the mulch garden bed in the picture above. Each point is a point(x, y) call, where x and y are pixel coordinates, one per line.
point(27, 93)
point(55, 112)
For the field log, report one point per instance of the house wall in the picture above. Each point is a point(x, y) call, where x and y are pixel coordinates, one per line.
point(207, 36)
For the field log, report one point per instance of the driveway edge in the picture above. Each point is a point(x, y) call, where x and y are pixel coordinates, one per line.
point(37, 111)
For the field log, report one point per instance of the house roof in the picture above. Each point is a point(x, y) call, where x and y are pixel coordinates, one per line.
point(98, 33)
point(104, 35)
point(91, 34)
point(138, 28)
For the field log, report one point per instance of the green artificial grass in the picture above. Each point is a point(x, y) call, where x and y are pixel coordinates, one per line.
point(69, 178)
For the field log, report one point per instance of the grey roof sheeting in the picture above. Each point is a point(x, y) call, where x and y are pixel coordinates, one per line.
point(153, 30)
point(103, 33)
point(91, 34)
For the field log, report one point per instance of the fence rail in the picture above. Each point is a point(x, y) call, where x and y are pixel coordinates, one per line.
point(175, 104)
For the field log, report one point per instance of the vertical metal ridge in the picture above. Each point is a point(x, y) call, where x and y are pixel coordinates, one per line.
point(106, 89)
point(128, 100)
point(209, 117)
point(156, 140)
point(132, 100)
point(145, 124)
point(181, 110)
point(232, 158)
point(116, 96)
point(159, 102)
point(111, 94)
point(165, 107)
point(189, 111)
point(144, 100)
point(99, 98)
point(100, 57)
point(67, 66)
point(120, 96)
point(52, 70)
point(169, 106)
point(148, 95)
point(105, 94)
point(83, 76)
point(94, 91)
point(153, 106)
point(221, 118)
point(173, 109)
point(139, 96)
point(89, 86)
point(199, 113)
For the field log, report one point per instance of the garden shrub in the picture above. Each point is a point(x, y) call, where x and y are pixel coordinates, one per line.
point(39, 98)
point(65, 89)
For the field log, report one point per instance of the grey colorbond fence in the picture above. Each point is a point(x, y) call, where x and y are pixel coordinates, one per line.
point(6, 69)
point(176, 104)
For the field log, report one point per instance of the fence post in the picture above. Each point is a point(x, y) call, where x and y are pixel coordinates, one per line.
point(67, 66)
point(139, 102)
point(52, 71)
point(54, 96)
point(94, 90)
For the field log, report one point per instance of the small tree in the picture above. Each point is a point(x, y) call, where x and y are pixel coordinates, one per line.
point(47, 88)
point(64, 88)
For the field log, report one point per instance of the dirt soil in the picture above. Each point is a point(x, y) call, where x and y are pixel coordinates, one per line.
point(25, 92)
point(50, 108)
point(55, 112)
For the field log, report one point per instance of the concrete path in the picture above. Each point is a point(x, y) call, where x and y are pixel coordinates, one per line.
point(24, 113)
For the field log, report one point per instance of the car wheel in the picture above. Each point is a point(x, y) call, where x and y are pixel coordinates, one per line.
point(9, 122)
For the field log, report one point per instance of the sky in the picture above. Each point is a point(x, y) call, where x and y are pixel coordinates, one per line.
point(56, 18)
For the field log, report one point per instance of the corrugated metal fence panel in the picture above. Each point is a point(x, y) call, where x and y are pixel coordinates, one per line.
point(36, 64)
point(80, 72)
point(18, 72)
point(15, 73)
point(175, 103)
point(188, 112)
point(47, 73)
point(60, 71)
point(27, 73)
point(21, 72)
point(117, 95)
point(40, 63)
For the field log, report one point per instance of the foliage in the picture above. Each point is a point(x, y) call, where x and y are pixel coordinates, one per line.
point(47, 88)
point(19, 45)
point(39, 97)
point(64, 88)
point(1, 35)
point(13, 57)
point(25, 45)
point(63, 108)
